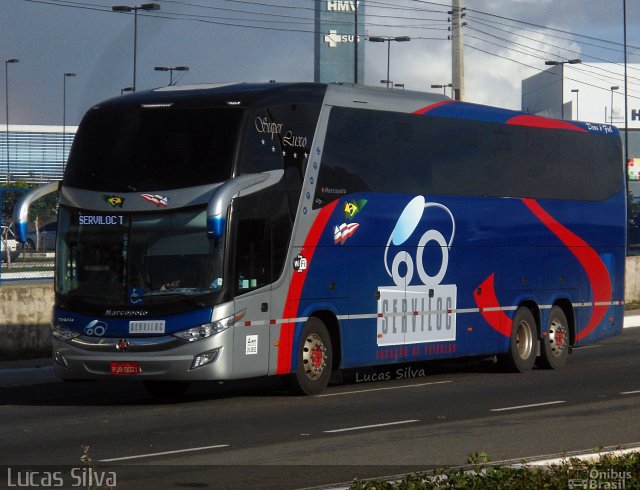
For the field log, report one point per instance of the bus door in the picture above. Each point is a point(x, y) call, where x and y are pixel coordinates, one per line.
point(252, 249)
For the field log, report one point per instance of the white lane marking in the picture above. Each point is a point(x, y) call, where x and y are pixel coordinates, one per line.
point(374, 426)
point(630, 392)
point(387, 388)
point(151, 455)
point(519, 407)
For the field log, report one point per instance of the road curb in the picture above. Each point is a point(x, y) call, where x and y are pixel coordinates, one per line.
point(587, 457)
point(632, 319)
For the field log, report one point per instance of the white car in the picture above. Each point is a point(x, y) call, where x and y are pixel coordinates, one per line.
point(8, 243)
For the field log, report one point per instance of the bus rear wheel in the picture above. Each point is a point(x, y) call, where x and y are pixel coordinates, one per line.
point(315, 358)
point(555, 345)
point(522, 347)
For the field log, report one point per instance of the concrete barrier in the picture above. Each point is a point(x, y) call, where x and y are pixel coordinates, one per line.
point(25, 319)
point(25, 314)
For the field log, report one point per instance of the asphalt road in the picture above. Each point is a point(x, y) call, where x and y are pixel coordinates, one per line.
point(254, 435)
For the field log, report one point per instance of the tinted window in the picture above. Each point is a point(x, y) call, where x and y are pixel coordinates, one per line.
point(279, 137)
point(396, 152)
point(153, 149)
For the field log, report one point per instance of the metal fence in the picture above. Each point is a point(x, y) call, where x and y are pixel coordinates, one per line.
point(20, 263)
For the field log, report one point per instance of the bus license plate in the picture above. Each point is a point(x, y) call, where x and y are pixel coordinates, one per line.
point(120, 368)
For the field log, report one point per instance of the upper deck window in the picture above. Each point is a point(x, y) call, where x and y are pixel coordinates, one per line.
point(153, 148)
point(376, 151)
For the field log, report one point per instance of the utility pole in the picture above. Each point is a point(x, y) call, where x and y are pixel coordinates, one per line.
point(457, 45)
point(355, 42)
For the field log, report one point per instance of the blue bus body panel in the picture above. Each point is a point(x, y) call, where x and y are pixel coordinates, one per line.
point(110, 326)
point(421, 277)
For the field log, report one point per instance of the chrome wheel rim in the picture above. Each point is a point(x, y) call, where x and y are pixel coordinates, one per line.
point(557, 338)
point(524, 340)
point(314, 356)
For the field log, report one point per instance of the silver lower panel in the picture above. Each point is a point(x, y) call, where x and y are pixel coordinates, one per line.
point(77, 362)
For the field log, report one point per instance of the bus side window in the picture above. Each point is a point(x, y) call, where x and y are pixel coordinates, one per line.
point(253, 254)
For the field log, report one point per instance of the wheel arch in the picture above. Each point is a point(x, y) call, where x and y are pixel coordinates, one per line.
point(535, 311)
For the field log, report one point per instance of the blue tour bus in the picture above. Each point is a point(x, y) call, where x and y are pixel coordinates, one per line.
point(231, 231)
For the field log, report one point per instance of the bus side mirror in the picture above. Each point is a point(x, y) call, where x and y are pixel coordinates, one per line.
point(222, 196)
point(21, 210)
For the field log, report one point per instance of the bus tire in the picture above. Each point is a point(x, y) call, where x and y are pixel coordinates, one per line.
point(555, 345)
point(522, 347)
point(315, 358)
point(166, 390)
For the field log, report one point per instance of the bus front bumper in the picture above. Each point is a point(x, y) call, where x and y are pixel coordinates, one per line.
point(163, 358)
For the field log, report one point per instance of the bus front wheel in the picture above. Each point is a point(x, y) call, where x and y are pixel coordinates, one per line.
point(555, 345)
point(315, 357)
point(522, 347)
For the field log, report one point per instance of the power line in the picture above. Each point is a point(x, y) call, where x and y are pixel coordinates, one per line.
point(573, 34)
point(473, 20)
point(541, 69)
point(546, 54)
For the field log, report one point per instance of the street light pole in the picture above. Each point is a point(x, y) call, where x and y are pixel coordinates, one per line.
point(574, 61)
point(171, 69)
point(443, 86)
point(64, 117)
point(388, 39)
point(134, 9)
point(6, 104)
point(577, 92)
point(614, 87)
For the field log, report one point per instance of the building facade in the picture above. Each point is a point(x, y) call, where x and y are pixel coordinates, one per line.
point(34, 154)
point(339, 28)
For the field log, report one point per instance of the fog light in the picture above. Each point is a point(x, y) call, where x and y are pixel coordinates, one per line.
point(204, 358)
point(60, 359)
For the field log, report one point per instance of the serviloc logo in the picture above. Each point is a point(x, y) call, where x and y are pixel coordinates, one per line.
point(410, 313)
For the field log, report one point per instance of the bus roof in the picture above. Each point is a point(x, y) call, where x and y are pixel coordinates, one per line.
point(245, 94)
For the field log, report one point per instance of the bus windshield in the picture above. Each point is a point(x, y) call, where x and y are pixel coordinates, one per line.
point(145, 149)
point(143, 258)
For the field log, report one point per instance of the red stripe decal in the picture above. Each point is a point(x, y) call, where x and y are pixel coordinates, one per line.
point(485, 296)
point(543, 122)
point(424, 110)
point(285, 345)
point(589, 260)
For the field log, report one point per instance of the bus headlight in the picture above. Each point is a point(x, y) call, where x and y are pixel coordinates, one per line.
point(208, 329)
point(64, 334)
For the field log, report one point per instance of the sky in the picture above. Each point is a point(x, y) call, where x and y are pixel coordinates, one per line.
point(244, 40)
